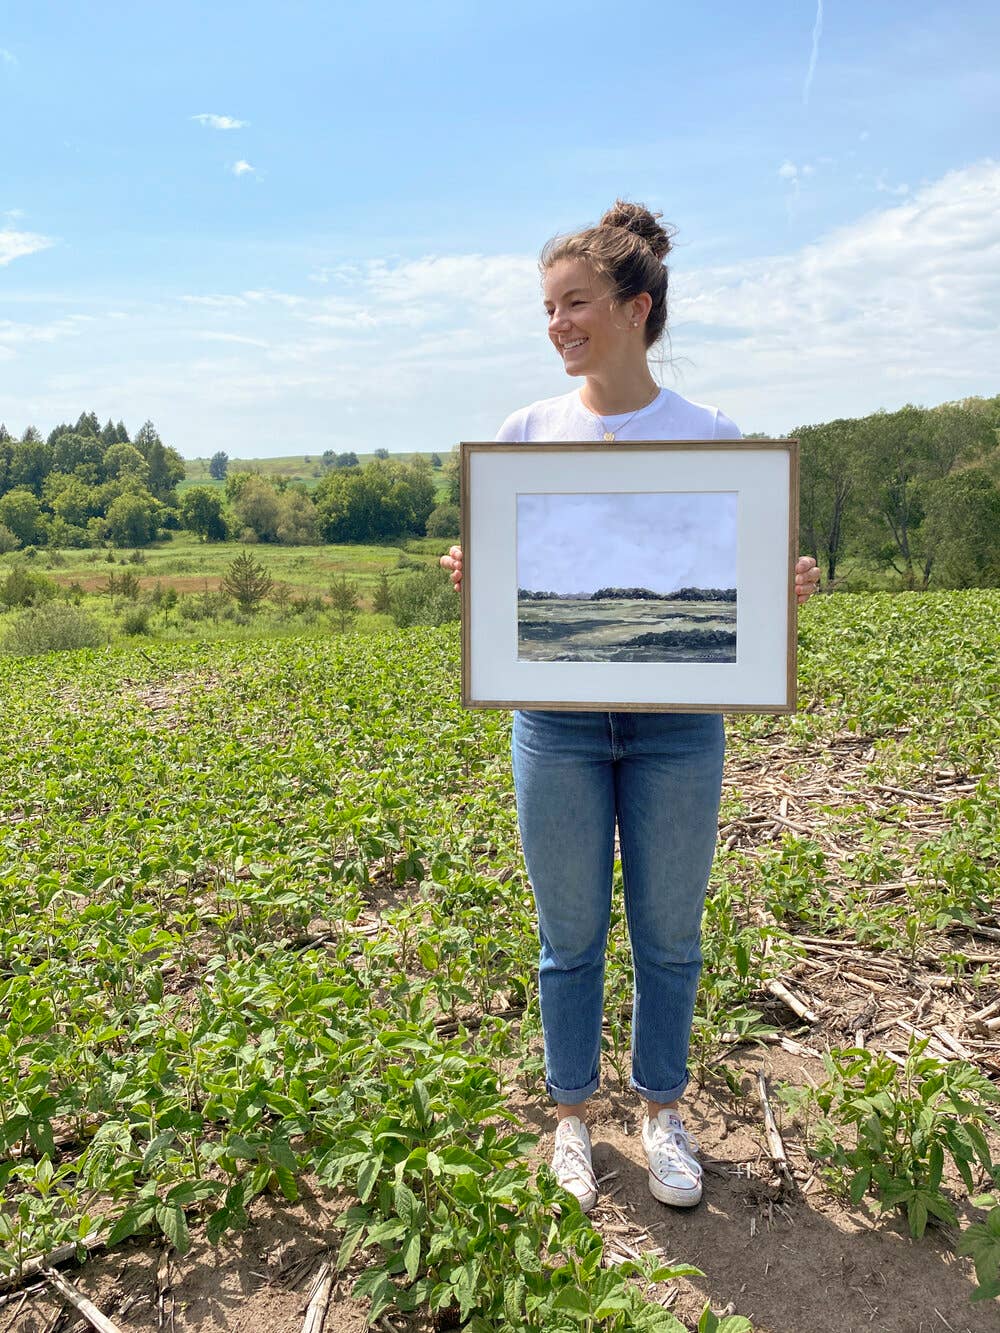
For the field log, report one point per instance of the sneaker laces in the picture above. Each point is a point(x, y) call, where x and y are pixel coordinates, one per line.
point(673, 1140)
point(570, 1158)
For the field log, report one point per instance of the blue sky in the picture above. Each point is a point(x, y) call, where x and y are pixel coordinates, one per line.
point(281, 229)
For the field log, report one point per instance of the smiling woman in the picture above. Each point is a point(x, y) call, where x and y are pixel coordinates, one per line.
point(578, 774)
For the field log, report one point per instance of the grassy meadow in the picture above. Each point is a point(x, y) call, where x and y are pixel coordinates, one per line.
point(619, 629)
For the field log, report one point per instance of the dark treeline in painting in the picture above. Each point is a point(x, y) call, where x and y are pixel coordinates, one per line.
point(633, 595)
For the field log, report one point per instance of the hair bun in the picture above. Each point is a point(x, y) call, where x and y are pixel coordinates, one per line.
point(637, 219)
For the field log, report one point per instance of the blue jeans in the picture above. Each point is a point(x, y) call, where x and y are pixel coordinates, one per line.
point(660, 776)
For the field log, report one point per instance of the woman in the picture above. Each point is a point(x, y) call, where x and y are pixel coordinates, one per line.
point(658, 775)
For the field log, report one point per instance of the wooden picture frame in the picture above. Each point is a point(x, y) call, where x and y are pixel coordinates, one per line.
point(708, 530)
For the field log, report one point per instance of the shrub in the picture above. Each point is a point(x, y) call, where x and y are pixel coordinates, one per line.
point(23, 587)
point(136, 620)
point(443, 521)
point(8, 542)
point(424, 597)
point(52, 627)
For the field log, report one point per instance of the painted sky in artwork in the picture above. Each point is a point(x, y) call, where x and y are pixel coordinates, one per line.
point(662, 541)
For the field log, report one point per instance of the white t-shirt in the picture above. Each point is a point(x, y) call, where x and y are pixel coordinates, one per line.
point(668, 417)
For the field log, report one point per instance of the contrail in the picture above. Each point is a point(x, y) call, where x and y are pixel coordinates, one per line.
point(814, 56)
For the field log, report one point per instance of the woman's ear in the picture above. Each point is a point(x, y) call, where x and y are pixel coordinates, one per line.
point(639, 307)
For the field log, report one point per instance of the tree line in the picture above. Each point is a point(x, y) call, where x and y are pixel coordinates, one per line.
point(85, 485)
point(915, 491)
point(88, 485)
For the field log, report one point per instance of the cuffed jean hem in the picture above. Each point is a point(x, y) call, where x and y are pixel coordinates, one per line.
point(652, 1095)
point(572, 1096)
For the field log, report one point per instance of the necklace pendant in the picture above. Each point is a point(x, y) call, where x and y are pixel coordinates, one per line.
point(608, 436)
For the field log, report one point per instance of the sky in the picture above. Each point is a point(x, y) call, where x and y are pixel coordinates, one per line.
point(280, 229)
point(662, 541)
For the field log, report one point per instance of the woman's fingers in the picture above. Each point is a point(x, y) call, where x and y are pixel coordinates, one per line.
point(453, 562)
point(806, 577)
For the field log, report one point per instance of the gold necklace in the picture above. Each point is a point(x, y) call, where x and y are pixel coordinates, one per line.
point(609, 435)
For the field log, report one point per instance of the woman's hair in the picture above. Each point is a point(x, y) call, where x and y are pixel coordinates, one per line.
point(628, 247)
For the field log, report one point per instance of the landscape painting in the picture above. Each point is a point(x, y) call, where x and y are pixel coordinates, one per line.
point(627, 577)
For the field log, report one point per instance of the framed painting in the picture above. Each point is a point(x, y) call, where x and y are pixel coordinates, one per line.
point(653, 576)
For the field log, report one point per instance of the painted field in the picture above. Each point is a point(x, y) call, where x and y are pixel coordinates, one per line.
point(619, 630)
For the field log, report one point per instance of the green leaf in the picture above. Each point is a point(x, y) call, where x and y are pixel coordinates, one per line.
point(173, 1224)
point(571, 1298)
point(859, 1184)
point(355, 1221)
point(218, 1224)
point(368, 1175)
point(916, 1212)
point(421, 1101)
point(287, 1182)
point(406, 1203)
point(411, 1255)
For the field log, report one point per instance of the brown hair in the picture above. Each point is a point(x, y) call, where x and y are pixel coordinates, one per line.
point(628, 247)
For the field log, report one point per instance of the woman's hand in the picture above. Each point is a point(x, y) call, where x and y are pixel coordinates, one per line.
point(453, 561)
point(806, 577)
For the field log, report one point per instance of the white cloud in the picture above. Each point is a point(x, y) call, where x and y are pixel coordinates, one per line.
point(884, 188)
point(220, 122)
point(17, 244)
point(208, 336)
point(900, 304)
point(8, 57)
point(242, 168)
point(864, 135)
point(788, 171)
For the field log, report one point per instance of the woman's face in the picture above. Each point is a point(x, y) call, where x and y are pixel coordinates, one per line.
point(589, 332)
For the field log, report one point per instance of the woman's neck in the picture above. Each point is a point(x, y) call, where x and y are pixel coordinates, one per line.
point(609, 396)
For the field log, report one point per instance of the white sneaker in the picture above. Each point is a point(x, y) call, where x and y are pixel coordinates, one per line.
point(674, 1172)
point(571, 1161)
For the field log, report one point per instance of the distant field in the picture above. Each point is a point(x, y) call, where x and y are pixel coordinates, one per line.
point(187, 557)
point(307, 468)
point(619, 630)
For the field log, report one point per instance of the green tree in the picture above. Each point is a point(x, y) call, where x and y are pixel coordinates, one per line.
point(298, 522)
point(382, 601)
point(963, 522)
point(256, 506)
point(122, 461)
point(71, 499)
point(133, 519)
point(31, 463)
point(6, 461)
point(218, 465)
point(22, 514)
point(384, 500)
point(453, 475)
point(201, 512)
point(247, 582)
point(436, 461)
point(381, 453)
point(829, 474)
point(345, 601)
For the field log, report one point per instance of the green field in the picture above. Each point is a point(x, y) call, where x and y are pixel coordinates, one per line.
point(306, 468)
point(265, 929)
